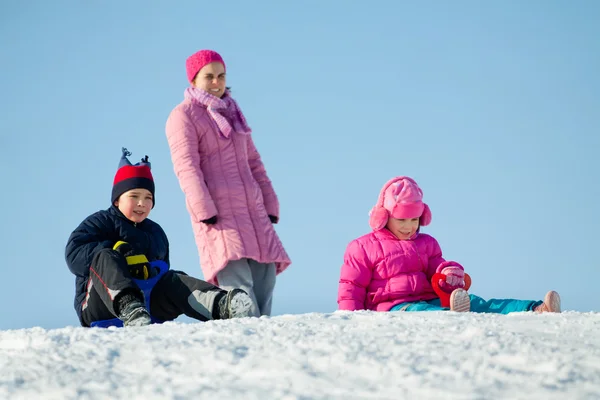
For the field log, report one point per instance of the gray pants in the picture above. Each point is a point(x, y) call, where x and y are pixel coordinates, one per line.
point(257, 279)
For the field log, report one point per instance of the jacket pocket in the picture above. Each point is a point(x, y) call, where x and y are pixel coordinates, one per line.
point(377, 297)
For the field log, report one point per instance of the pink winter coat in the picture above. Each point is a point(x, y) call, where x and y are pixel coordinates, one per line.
point(224, 177)
point(381, 271)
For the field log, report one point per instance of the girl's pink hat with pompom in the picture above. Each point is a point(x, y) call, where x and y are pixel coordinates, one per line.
point(399, 198)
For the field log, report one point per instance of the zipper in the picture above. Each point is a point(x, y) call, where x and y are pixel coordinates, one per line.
point(418, 255)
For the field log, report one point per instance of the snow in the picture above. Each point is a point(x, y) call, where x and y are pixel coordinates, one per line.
point(342, 355)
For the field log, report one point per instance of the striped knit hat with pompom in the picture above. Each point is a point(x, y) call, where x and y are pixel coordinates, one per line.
point(128, 177)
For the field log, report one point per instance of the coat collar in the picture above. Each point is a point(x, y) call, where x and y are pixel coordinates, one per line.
point(114, 210)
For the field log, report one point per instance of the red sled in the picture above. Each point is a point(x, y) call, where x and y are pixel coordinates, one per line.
point(444, 295)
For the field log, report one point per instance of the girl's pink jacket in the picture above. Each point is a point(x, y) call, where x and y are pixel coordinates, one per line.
point(224, 177)
point(381, 271)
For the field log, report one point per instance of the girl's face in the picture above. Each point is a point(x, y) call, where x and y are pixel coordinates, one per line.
point(135, 204)
point(211, 79)
point(403, 229)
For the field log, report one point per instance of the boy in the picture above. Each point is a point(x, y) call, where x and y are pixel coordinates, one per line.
point(112, 247)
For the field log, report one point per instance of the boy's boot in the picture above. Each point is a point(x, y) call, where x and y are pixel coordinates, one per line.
point(235, 304)
point(460, 301)
point(132, 311)
point(551, 303)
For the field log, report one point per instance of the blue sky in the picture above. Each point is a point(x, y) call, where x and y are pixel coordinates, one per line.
point(492, 107)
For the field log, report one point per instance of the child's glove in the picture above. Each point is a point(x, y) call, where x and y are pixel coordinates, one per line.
point(455, 275)
point(449, 276)
point(139, 267)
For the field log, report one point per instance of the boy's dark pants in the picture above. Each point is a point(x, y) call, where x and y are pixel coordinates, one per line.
point(174, 294)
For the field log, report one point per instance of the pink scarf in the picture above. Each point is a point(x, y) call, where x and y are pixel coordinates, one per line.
point(224, 111)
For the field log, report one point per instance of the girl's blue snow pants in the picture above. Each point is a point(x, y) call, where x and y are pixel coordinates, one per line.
point(478, 305)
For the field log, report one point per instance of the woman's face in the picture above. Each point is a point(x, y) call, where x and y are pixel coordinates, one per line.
point(211, 78)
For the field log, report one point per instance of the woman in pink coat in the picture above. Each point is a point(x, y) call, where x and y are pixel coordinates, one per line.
point(393, 267)
point(228, 194)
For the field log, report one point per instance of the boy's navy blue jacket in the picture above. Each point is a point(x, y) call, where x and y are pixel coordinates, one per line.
point(102, 230)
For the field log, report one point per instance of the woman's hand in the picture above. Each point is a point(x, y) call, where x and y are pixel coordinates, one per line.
point(211, 221)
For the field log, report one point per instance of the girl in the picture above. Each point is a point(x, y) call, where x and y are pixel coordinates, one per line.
point(228, 194)
point(391, 268)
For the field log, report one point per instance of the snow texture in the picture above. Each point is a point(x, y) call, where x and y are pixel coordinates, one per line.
point(343, 355)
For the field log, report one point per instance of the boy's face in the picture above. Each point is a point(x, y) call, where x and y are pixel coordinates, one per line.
point(403, 229)
point(135, 204)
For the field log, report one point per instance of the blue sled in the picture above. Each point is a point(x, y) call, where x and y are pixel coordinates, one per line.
point(146, 287)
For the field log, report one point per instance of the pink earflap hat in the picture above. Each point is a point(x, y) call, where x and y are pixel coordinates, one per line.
point(400, 198)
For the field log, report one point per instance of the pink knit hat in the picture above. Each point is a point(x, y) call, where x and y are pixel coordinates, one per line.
point(400, 198)
point(198, 60)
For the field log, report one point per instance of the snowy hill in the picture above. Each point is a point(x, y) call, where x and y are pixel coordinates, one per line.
point(342, 355)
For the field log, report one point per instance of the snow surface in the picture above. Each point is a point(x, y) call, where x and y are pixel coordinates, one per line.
point(343, 355)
